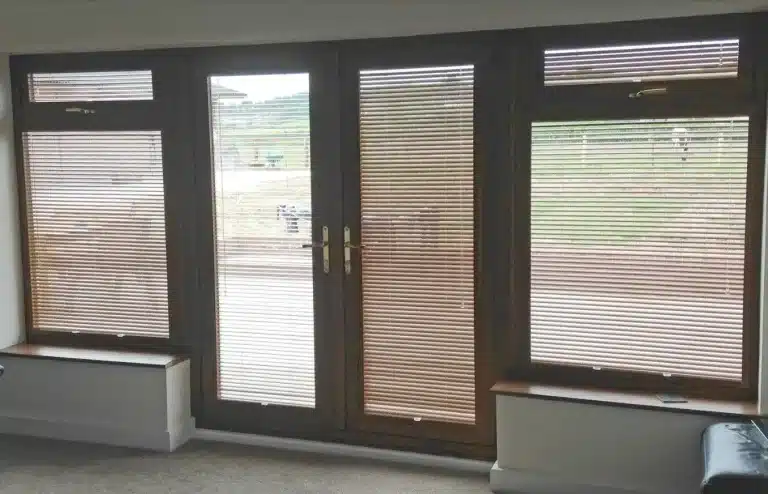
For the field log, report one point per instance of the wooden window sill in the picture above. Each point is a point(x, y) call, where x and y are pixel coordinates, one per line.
point(129, 358)
point(627, 400)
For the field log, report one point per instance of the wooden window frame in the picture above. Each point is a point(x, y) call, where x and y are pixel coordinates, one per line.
point(162, 113)
point(743, 95)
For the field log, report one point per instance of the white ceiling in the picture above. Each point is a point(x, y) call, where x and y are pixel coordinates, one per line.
point(70, 25)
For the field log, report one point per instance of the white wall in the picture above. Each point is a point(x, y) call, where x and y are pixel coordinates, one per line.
point(557, 447)
point(66, 25)
point(11, 312)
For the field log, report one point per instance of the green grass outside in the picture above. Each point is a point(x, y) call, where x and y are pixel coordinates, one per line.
point(626, 199)
point(660, 169)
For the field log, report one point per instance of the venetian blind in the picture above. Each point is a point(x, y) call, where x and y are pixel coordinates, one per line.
point(637, 245)
point(642, 62)
point(417, 200)
point(90, 86)
point(263, 207)
point(96, 232)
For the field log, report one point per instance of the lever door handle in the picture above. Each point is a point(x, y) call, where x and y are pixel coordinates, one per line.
point(314, 245)
point(348, 246)
point(326, 249)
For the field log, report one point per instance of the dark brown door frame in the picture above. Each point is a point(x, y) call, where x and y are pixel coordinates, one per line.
point(477, 50)
point(321, 63)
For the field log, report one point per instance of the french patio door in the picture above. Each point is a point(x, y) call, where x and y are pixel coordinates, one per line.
point(341, 250)
point(411, 256)
point(273, 358)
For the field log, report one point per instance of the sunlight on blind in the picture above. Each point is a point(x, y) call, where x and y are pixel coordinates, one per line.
point(91, 86)
point(417, 199)
point(642, 62)
point(637, 245)
point(265, 297)
point(96, 216)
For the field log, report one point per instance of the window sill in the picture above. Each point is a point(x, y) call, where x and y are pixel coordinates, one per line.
point(645, 401)
point(129, 358)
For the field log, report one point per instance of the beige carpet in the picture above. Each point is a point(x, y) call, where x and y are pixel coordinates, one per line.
point(30, 466)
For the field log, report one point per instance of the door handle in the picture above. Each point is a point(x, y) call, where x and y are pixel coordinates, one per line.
point(348, 246)
point(326, 249)
point(314, 245)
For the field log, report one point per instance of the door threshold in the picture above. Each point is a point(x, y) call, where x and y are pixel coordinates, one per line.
point(345, 450)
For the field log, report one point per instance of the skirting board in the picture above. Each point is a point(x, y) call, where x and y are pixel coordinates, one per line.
point(161, 440)
point(511, 481)
point(317, 447)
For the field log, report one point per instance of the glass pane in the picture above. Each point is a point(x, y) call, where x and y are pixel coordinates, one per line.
point(91, 86)
point(417, 211)
point(710, 59)
point(637, 245)
point(96, 216)
point(263, 216)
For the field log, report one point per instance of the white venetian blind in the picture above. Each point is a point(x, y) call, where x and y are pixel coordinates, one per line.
point(417, 200)
point(642, 62)
point(637, 245)
point(90, 86)
point(263, 217)
point(96, 232)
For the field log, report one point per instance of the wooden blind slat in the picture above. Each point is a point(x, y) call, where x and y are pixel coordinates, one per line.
point(96, 216)
point(637, 245)
point(417, 210)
